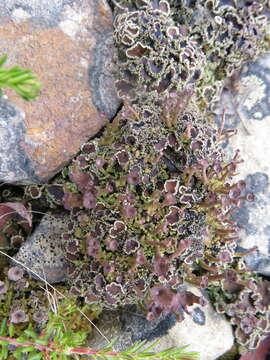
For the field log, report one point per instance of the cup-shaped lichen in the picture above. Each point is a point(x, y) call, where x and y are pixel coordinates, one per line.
point(150, 209)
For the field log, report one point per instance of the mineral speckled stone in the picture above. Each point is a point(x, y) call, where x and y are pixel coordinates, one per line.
point(247, 102)
point(43, 253)
point(68, 45)
point(129, 326)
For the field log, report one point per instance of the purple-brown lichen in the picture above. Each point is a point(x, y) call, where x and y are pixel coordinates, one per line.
point(172, 45)
point(151, 199)
point(245, 299)
point(157, 213)
point(15, 273)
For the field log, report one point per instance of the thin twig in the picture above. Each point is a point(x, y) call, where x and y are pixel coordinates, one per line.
point(222, 124)
point(51, 298)
point(117, 5)
point(236, 107)
point(99, 354)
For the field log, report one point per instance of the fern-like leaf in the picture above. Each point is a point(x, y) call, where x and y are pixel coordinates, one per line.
point(20, 80)
point(58, 343)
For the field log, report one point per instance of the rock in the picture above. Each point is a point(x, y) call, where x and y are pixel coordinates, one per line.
point(248, 110)
point(43, 253)
point(12, 130)
point(204, 331)
point(69, 46)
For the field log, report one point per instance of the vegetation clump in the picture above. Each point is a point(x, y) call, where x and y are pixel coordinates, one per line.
point(149, 210)
point(150, 200)
point(170, 45)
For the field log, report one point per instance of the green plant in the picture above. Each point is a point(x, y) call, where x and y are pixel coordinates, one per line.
point(57, 341)
point(20, 80)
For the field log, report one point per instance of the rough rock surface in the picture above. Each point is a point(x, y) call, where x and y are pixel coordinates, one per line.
point(42, 252)
point(69, 46)
point(12, 132)
point(248, 110)
point(205, 331)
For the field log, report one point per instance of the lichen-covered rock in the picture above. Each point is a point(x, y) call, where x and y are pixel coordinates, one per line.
point(204, 331)
point(43, 250)
point(247, 109)
point(69, 45)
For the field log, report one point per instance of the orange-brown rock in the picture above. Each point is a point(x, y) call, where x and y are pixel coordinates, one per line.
point(68, 45)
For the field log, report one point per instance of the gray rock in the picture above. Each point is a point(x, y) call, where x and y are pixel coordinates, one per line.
point(43, 251)
point(12, 132)
point(43, 12)
point(102, 76)
point(259, 263)
point(248, 110)
point(204, 331)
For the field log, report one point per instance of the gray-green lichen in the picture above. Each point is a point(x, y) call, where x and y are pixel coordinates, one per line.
point(172, 45)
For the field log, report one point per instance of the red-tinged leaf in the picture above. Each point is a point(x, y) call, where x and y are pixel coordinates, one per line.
point(20, 209)
point(4, 215)
point(260, 353)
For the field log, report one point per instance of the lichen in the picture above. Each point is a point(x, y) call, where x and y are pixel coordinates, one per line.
point(173, 45)
point(151, 211)
point(150, 200)
point(245, 299)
